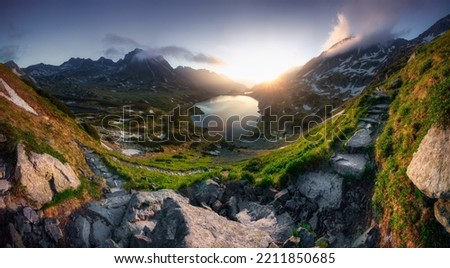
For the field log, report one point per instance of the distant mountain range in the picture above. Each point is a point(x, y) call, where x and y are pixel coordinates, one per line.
point(334, 77)
point(149, 76)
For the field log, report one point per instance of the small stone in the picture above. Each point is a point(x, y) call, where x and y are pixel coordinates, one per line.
point(109, 243)
point(292, 242)
point(306, 238)
point(16, 239)
point(30, 214)
point(282, 196)
point(140, 241)
point(442, 213)
point(3, 138)
point(369, 239)
point(291, 205)
point(52, 229)
point(4, 186)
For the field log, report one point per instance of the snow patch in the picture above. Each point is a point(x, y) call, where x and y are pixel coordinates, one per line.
point(306, 107)
point(14, 98)
point(131, 152)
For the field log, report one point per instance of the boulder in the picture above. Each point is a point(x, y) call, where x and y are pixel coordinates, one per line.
point(429, 168)
point(322, 188)
point(360, 140)
point(43, 175)
point(100, 233)
point(168, 220)
point(80, 233)
point(349, 164)
point(205, 192)
point(442, 213)
point(112, 215)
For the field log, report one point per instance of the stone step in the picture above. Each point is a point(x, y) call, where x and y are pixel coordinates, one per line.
point(360, 140)
point(369, 120)
point(349, 164)
point(380, 106)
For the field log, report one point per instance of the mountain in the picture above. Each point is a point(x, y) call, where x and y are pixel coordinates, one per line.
point(102, 83)
point(337, 74)
point(210, 81)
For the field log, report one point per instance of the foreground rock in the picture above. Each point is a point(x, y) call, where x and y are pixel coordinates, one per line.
point(325, 189)
point(442, 213)
point(166, 219)
point(429, 169)
point(43, 175)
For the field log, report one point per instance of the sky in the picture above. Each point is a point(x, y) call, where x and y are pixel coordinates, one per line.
point(248, 40)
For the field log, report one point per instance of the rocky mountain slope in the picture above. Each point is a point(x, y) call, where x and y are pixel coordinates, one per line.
point(337, 75)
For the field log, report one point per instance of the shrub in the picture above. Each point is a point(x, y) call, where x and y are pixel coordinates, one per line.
point(91, 131)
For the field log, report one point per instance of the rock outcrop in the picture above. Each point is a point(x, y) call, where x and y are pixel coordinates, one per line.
point(166, 219)
point(43, 175)
point(429, 169)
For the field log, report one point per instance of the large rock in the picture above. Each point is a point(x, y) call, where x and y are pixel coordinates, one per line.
point(81, 232)
point(166, 219)
point(442, 213)
point(349, 164)
point(263, 217)
point(429, 169)
point(43, 175)
point(324, 189)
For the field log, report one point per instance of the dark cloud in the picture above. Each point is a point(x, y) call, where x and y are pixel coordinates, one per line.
point(9, 52)
point(112, 52)
point(119, 45)
point(117, 40)
point(183, 53)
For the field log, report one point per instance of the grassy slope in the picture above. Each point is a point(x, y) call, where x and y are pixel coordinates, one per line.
point(404, 212)
point(52, 131)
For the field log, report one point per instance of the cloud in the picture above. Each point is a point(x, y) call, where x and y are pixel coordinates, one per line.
point(183, 53)
point(340, 31)
point(117, 40)
point(9, 52)
point(119, 45)
point(369, 22)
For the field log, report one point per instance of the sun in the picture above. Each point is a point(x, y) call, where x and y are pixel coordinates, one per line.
point(258, 63)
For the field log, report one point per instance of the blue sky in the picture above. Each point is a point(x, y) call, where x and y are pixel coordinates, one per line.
point(248, 40)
